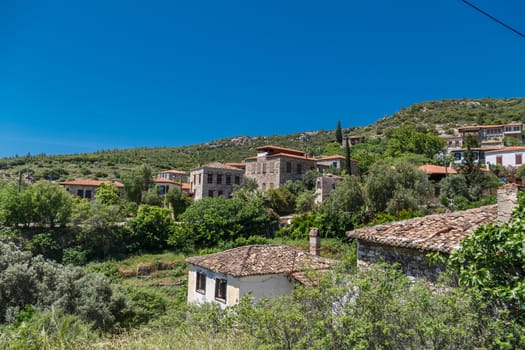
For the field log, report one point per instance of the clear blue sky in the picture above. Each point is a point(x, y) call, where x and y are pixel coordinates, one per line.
point(80, 76)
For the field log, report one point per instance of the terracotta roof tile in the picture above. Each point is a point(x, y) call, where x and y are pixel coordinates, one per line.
point(277, 149)
point(87, 182)
point(166, 181)
point(436, 169)
point(218, 165)
point(172, 171)
point(261, 259)
point(438, 232)
point(507, 149)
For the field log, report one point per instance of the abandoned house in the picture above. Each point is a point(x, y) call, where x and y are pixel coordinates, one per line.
point(264, 271)
point(214, 180)
point(409, 241)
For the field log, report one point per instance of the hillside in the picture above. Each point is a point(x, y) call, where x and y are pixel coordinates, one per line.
point(435, 116)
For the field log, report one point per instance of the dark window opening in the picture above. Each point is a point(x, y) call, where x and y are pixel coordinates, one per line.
point(220, 289)
point(201, 283)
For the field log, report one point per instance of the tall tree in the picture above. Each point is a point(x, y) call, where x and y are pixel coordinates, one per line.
point(348, 160)
point(339, 133)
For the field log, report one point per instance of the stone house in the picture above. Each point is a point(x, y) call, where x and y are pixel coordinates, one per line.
point(88, 188)
point(263, 271)
point(336, 162)
point(214, 179)
point(324, 185)
point(173, 175)
point(274, 165)
point(408, 242)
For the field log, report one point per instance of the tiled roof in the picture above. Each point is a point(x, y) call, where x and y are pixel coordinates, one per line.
point(438, 232)
point(261, 259)
point(237, 165)
point(277, 149)
point(166, 181)
point(436, 169)
point(507, 149)
point(87, 182)
point(287, 155)
point(332, 157)
point(217, 165)
point(186, 186)
point(173, 171)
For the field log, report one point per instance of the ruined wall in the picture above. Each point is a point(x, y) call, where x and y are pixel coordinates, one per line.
point(413, 262)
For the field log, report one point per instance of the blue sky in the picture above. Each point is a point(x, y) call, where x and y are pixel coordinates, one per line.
point(81, 76)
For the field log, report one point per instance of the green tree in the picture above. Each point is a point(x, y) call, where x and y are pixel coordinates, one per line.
point(136, 182)
point(212, 220)
point(492, 261)
point(339, 133)
point(343, 209)
point(405, 139)
point(178, 201)
point(108, 194)
point(151, 227)
point(51, 204)
point(348, 160)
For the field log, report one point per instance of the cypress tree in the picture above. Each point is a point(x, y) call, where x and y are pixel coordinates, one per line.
point(339, 133)
point(348, 164)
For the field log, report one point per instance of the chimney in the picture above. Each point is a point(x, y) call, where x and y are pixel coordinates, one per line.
point(507, 201)
point(315, 241)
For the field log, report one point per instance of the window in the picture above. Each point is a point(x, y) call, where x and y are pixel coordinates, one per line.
point(299, 168)
point(288, 167)
point(201, 283)
point(210, 178)
point(220, 289)
point(518, 159)
point(264, 168)
point(219, 179)
point(199, 179)
point(219, 193)
point(499, 160)
point(87, 194)
point(334, 164)
point(237, 180)
point(228, 179)
point(80, 193)
point(210, 193)
point(162, 190)
point(264, 186)
point(271, 185)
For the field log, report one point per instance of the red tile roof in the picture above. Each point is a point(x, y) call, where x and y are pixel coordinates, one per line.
point(261, 259)
point(166, 181)
point(87, 182)
point(507, 149)
point(237, 165)
point(277, 149)
point(287, 155)
point(436, 169)
point(332, 157)
point(172, 171)
point(438, 233)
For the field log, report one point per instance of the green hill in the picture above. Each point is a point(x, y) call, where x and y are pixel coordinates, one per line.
point(439, 117)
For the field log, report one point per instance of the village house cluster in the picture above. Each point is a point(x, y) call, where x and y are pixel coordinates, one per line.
point(270, 168)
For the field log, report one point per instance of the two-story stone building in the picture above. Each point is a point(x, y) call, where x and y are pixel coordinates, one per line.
point(274, 165)
point(214, 179)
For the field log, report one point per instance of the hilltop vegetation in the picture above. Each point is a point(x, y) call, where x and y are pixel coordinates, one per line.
point(431, 117)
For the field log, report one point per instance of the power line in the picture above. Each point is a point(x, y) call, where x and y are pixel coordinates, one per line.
point(494, 18)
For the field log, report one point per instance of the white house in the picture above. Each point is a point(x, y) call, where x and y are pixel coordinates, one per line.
point(265, 271)
point(508, 156)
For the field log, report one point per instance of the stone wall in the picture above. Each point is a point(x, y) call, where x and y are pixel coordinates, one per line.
point(413, 262)
point(272, 172)
point(222, 181)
